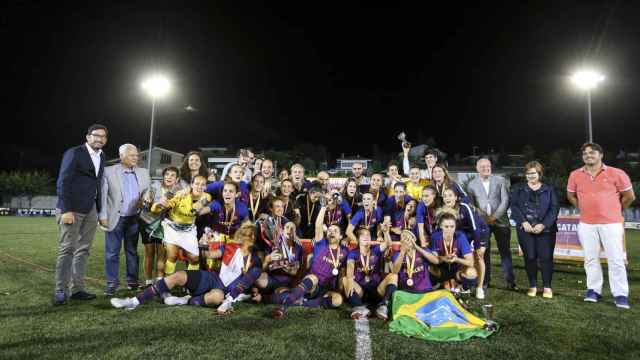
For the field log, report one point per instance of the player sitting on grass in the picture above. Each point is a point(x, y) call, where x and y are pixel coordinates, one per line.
point(411, 264)
point(283, 263)
point(364, 278)
point(240, 270)
point(454, 253)
point(329, 258)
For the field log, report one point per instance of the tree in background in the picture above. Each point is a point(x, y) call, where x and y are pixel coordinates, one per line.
point(25, 184)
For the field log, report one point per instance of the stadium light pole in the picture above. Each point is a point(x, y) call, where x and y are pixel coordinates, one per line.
point(156, 86)
point(587, 80)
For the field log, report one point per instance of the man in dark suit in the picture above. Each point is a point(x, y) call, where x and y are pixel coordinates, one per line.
point(78, 189)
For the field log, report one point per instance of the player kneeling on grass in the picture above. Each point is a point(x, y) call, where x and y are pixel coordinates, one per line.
point(411, 264)
point(364, 281)
point(454, 253)
point(179, 227)
point(239, 271)
point(329, 258)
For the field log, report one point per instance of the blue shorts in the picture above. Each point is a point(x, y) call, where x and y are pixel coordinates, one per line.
point(447, 272)
point(200, 282)
point(277, 281)
point(321, 289)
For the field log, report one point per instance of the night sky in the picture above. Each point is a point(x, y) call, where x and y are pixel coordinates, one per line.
point(346, 76)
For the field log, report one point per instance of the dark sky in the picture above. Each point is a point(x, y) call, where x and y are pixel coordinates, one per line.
point(347, 76)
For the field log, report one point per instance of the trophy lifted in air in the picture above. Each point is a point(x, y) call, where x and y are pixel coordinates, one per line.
point(403, 137)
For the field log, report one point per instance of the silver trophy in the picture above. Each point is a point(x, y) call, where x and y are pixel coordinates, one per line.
point(274, 238)
point(403, 137)
point(281, 255)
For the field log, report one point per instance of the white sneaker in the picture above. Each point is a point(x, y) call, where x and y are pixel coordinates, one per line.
point(177, 300)
point(359, 312)
point(382, 312)
point(480, 293)
point(226, 305)
point(148, 282)
point(126, 303)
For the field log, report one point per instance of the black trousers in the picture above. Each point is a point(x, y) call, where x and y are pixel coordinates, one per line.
point(538, 254)
point(503, 239)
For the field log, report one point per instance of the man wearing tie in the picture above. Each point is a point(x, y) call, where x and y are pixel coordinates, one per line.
point(121, 189)
point(78, 192)
point(490, 196)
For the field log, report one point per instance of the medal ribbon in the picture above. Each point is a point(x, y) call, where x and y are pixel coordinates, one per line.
point(309, 213)
point(335, 261)
point(365, 265)
point(411, 264)
point(254, 208)
point(246, 264)
point(229, 218)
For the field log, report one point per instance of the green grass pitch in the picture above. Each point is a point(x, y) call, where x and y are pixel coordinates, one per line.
point(564, 327)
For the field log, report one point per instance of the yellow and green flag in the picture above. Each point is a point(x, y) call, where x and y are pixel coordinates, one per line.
point(436, 316)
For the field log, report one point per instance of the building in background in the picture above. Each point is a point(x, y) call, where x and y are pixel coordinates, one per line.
point(343, 164)
point(218, 157)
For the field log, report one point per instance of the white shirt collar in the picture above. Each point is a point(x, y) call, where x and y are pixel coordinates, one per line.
point(91, 151)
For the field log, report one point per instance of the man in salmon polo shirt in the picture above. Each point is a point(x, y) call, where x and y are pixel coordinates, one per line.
point(601, 192)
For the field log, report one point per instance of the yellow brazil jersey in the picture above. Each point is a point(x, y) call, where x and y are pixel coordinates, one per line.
point(181, 206)
point(415, 191)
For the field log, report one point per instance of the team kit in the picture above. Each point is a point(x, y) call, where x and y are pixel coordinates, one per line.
point(292, 242)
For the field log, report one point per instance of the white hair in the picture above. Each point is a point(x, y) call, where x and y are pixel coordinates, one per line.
point(122, 150)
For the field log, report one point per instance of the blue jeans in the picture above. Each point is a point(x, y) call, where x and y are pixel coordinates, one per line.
point(127, 230)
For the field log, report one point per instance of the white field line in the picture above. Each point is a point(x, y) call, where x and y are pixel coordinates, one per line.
point(363, 341)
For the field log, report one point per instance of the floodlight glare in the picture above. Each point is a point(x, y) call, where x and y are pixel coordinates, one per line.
point(587, 79)
point(156, 86)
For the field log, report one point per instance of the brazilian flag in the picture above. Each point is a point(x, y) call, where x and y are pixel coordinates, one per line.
point(435, 316)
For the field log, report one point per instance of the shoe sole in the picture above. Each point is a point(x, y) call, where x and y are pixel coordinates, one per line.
point(278, 314)
point(626, 307)
point(591, 300)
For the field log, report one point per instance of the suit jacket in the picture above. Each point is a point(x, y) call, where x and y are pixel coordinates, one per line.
point(112, 197)
point(78, 187)
point(498, 198)
point(546, 206)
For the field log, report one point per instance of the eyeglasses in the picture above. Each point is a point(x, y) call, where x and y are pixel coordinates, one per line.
point(99, 136)
point(532, 173)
